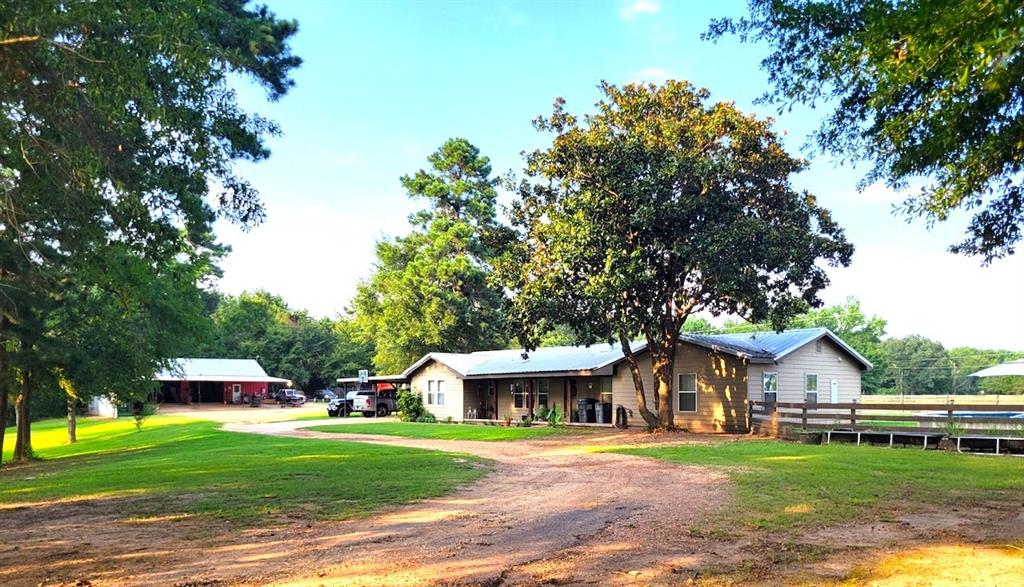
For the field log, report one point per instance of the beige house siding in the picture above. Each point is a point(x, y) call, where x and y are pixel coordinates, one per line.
point(831, 363)
point(721, 390)
point(452, 386)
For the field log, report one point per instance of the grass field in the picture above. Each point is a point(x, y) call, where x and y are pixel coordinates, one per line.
point(785, 486)
point(226, 475)
point(451, 431)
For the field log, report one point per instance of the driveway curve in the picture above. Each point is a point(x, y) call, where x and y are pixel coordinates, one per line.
point(550, 511)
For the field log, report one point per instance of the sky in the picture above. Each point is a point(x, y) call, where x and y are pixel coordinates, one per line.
point(385, 83)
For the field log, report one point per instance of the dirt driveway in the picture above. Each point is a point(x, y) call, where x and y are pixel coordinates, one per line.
point(550, 511)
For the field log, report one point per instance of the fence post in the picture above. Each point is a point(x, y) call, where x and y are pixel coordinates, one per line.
point(803, 416)
point(853, 417)
point(775, 419)
point(750, 416)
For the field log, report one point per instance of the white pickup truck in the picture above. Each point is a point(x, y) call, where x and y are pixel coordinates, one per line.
point(369, 402)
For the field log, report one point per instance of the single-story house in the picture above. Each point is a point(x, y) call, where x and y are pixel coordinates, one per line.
point(715, 375)
point(228, 381)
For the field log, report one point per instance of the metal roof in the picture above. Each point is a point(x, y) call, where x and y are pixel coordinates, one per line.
point(771, 346)
point(1010, 368)
point(237, 370)
point(757, 347)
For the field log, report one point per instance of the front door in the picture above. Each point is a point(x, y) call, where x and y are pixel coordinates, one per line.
point(236, 393)
point(834, 391)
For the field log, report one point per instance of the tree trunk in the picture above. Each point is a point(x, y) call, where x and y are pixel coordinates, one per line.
point(638, 383)
point(4, 387)
point(663, 367)
point(23, 437)
point(72, 421)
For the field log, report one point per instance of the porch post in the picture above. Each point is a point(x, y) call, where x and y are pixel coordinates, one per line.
point(493, 389)
point(565, 396)
point(529, 397)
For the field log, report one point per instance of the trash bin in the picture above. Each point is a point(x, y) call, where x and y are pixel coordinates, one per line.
point(586, 408)
point(604, 413)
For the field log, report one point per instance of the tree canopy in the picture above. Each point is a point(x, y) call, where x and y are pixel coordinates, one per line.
point(659, 205)
point(917, 365)
point(923, 89)
point(120, 128)
point(431, 289)
point(288, 343)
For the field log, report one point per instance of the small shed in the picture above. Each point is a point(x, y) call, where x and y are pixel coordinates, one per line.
point(227, 381)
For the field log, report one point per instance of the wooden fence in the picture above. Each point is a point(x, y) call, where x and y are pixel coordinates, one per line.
point(992, 399)
point(772, 417)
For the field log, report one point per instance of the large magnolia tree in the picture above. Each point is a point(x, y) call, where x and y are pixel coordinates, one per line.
point(658, 205)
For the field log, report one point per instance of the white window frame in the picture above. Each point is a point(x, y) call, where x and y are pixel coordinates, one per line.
point(521, 394)
point(680, 391)
point(430, 392)
point(538, 385)
point(439, 398)
point(807, 388)
point(764, 386)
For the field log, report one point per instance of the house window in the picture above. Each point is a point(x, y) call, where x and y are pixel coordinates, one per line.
point(430, 393)
point(440, 393)
point(770, 387)
point(811, 388)
point(518, 394)
point(541, 387)
point(687, 392)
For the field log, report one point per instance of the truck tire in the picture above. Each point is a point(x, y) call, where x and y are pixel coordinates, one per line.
point(382, 411)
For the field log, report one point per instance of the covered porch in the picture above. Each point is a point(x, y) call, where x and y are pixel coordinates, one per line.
point(497, 399)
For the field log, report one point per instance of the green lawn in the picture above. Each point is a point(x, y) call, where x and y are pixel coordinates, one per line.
point(181, 465)
point(451, 431)
point(785, 486)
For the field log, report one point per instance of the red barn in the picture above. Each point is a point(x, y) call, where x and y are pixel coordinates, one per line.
point(227, 381)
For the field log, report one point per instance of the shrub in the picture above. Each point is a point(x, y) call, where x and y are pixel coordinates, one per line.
point(410, 404)
point(553, 416)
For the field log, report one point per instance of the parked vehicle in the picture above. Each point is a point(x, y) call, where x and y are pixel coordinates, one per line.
point(369, 402)
point(323, 395)
point(290, 397)
point(339, 407)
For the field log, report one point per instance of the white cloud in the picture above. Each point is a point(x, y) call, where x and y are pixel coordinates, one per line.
point(637, 7)
point(879, 193)
point(311, 255)
point(949, 298)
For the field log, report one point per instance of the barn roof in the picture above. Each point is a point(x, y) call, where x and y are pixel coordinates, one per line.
point(234, 370)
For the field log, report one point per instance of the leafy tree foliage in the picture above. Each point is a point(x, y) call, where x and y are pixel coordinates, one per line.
point(430, 290)
point(657, 206)
point(967, 360)
point(922, 88)
point(118, 119)
point(917, 365)
point(288, 343)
